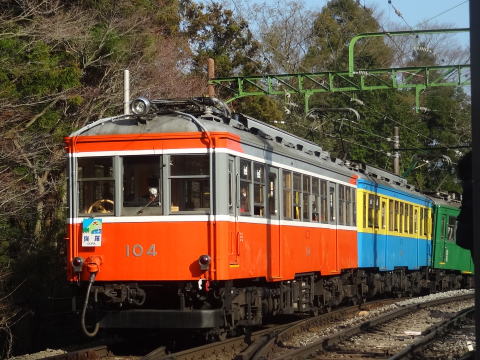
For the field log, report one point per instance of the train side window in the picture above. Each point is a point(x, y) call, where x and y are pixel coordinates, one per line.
point(315, 200)
point(371, 209)
point(383, 212)
point(231, 185)
point(354, 206)
point(365, 210)
point(189, 183)
point(397, 216)
point(452, 228)
point(272, 191)
point(415, 220)
point(323, 202)
point(306, 197)
point(425, 222)
point(420, 221)
point(400, 222)
point(297, 196)
point(407, 219)
point(258, 189)
point(245, 183)
point(377, 211)
point(341, 204)
point(142, 190)
point(287, 194)
point(390, 215)
point(96, 186)
point(331, 200)
point(348, 206)
point(410, 223)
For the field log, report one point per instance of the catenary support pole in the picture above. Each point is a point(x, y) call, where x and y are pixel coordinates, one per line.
point(396, 154)
point(126, 92)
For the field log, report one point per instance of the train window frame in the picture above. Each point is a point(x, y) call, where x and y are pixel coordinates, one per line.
point(397, 219)
point(231, 185)
point(452, 224)
point(315, 213)
point(152, 198)
point(390, 214)
point(377, 212)
point(189, 179)
point(371, 211)
point(383, 213)
point(324, 202)
point(297, 196)
point(332, 203)
point(287, 187)
point(259, 184)
point(426, 225)
point(401, 218)
point(341, 204)
point(348, 206)
point(410, 222)
point(406, 219)
point(273, 200)
point(354, 206)
point(104, 201)
point(420, 221)
point(245, 182)
point(306, 196)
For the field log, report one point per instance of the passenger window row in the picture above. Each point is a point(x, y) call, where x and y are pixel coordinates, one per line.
point(403, 217)
point(304, 197)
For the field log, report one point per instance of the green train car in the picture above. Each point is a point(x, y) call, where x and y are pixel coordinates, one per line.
point(446, 253)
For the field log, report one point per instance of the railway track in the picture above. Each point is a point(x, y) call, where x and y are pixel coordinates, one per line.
point(343, 334)
point(392, 335)
point(245, 347)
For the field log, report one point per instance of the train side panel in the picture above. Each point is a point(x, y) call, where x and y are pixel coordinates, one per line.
point(447, 254)
point(393, 228)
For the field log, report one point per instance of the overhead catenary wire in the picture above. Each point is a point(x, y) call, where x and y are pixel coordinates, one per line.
point(444, 12)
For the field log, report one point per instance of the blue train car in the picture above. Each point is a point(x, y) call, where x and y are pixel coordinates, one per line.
point(394, 226)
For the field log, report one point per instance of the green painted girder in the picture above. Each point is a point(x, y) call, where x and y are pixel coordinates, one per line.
point(307, 84)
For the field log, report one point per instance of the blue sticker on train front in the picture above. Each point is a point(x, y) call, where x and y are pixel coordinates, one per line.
point(92, 232)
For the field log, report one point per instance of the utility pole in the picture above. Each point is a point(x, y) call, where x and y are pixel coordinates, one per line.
point(396, 154)
point(126, 92)
point(211, 75)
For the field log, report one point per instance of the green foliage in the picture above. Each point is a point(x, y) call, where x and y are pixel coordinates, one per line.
point(337, 23)
point(215, 32)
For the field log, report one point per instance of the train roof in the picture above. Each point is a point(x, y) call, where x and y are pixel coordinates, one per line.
point(168, 116)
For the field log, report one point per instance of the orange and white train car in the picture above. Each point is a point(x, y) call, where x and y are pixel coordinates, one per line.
point(183, 215)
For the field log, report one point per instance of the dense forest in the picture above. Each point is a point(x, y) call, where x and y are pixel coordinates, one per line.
point(61, 67)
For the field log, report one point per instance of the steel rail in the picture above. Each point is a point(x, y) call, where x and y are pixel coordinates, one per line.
point(325, 342)
point(248, 346)
point(430, 334)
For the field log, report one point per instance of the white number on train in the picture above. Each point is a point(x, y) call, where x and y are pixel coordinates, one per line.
point(137, 250)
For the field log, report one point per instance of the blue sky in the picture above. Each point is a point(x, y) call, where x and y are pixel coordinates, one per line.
point(441, 12)
point(415, 11)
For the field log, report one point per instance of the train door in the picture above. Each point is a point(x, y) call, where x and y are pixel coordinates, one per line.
point(233, 211)
point(273, 225)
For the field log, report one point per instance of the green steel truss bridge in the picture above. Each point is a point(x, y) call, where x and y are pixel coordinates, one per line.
point(307, 84)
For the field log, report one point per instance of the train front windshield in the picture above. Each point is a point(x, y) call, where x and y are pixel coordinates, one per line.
point(143, 185)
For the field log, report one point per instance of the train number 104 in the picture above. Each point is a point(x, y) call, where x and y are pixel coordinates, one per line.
point(139, 250)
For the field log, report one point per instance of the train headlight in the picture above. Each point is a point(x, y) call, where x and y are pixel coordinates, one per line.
point(204, 262)
point(77, 264)
point(140, 106)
